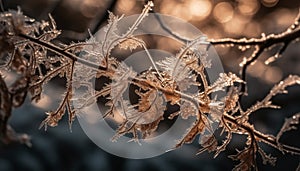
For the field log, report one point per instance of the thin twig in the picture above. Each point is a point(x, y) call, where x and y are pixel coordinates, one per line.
point(286, 37)
point(261, 44)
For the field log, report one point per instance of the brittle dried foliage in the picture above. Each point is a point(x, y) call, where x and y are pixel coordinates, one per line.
point(27, 49)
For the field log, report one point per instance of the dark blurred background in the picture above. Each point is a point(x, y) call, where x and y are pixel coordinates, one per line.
point(59, 149)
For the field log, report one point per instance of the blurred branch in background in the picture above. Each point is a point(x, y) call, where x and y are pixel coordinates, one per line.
point(259, 45)
point(266, 42)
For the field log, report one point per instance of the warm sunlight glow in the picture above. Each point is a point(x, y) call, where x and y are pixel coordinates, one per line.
point(269, 3)
point(90, 8)
point(175, 9)
point(237, 24)
point(200, 9)
point(249, 7)
point(126, 5)
point(223, 12)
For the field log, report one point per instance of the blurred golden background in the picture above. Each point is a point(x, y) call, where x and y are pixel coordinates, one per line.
point(215, 18)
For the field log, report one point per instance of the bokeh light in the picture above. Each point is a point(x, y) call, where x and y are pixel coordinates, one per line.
point(269, 3)
point(248, 7)
point(223, 12)
point(236, 25)
point(199, 9)
point(125, 5)
point(189, 10)
point(89, 8)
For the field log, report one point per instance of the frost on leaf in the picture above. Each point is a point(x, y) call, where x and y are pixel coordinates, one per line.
point(113, 38)
point(231, 99)
point(149, 109)
point(200, 50)
point(179, 72)
point(143, 120)
point(82, 76)
point(224, 81)
point(120, 81)
point(175, 67)
point(91, 51)
point(131, 43)
point(205, 62)
point(187, 109)
point(111, 33)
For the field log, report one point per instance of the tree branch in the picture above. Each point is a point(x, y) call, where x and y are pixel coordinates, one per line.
point(261, 44)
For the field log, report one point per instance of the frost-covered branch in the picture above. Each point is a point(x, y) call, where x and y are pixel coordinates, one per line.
point(265, 42)
point(30, 52)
